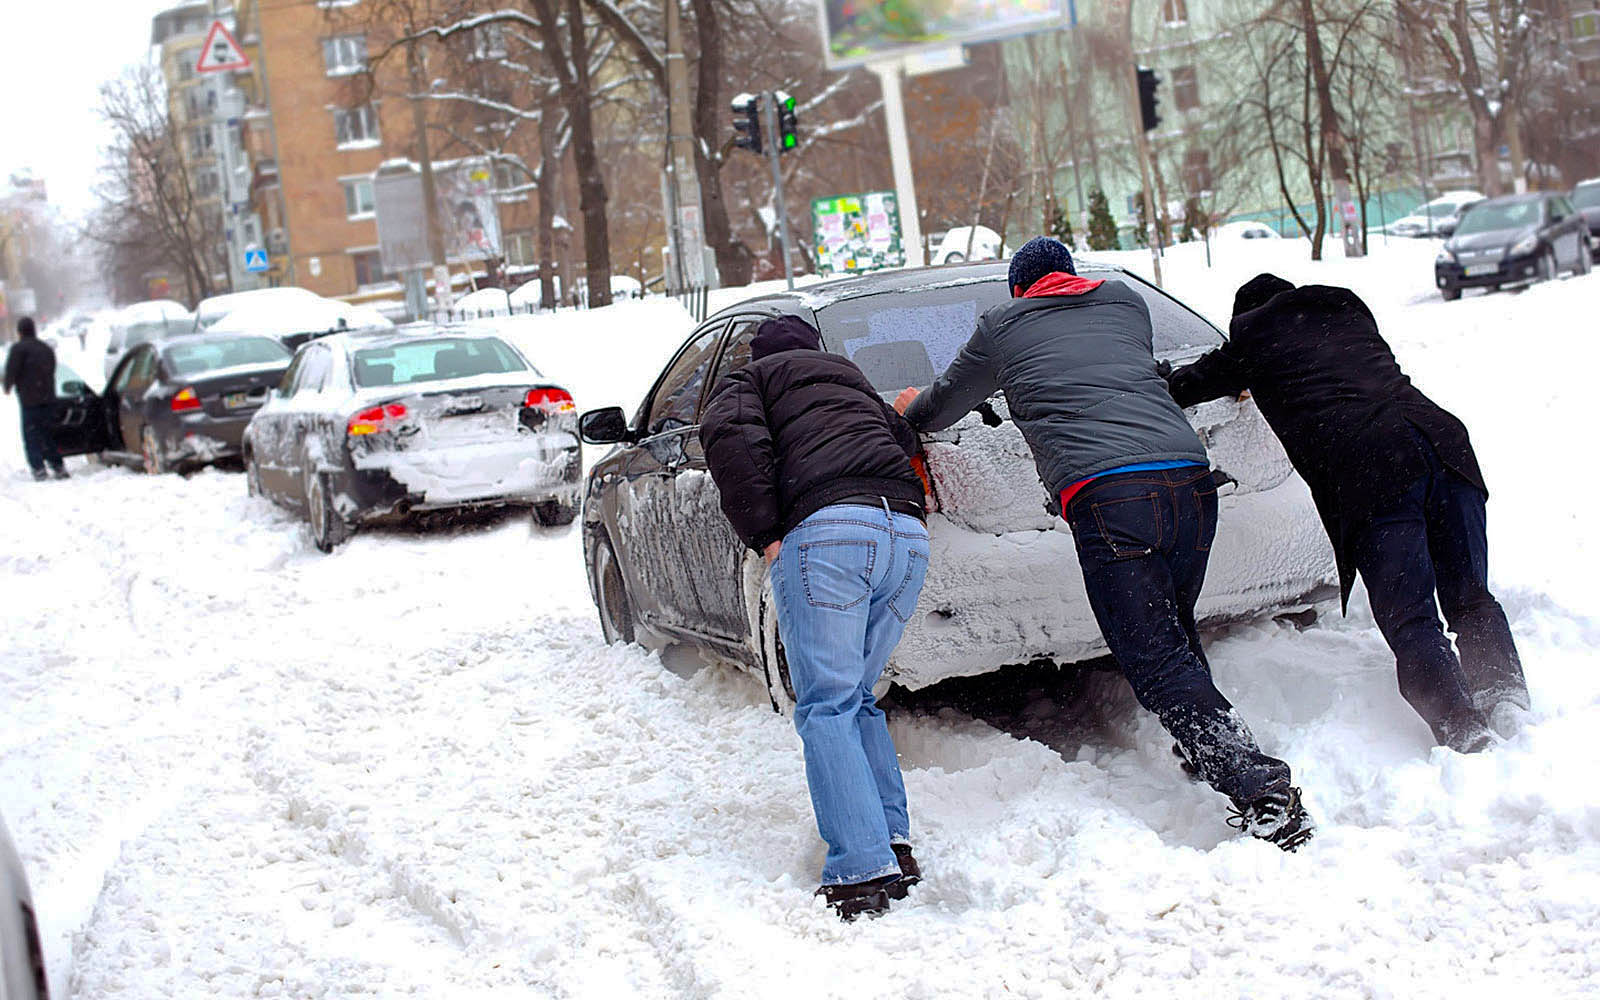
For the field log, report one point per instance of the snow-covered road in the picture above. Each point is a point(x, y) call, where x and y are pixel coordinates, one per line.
point(235, 767)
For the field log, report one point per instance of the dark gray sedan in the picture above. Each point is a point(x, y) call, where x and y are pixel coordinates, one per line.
point(1515, 240)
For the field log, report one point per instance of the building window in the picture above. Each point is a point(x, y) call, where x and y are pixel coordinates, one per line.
point(206, 183)
point(1197, 171)
point(1175, 11)
point(1589, 71)
point(369, 268)
point(186, 63)
point(519, 249)
point(1185, 88)
point(201, 141)
point(344, 54)
point(358, 201)
point(489, 41)
point(509, 175)
point(356, 126)
point(1586, 25)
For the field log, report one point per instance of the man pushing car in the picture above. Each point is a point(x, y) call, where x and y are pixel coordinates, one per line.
point(1074, 359)
point(814, 471)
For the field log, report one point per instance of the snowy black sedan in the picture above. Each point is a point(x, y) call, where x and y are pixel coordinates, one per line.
point(172, 405)
point(368, 427)
point(1515, 240)
point(1002, 585)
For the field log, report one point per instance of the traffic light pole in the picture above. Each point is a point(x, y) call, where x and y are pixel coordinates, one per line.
point(773, 151)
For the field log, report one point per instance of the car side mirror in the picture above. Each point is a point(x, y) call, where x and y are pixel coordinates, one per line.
point(605, 426)
point(72, 387)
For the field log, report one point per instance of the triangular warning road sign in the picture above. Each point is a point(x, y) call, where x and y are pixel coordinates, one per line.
point(220, 52)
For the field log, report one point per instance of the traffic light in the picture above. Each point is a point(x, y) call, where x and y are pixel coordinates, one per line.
point(788, 137)
point(747, 122)
point(1148, 82)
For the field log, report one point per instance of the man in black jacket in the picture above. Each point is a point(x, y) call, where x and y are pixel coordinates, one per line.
point(814, 471)
point(1397, 485)
point(31, 370)
point(1074, 359)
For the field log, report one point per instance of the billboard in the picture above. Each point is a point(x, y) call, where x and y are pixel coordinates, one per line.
point(468, 215)
point(858, 32)
point(853, 233)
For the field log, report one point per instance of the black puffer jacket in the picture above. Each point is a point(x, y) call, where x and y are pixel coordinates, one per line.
point(1333, 392)
point(798, 429)
point(1074, 358)
point(31, 370)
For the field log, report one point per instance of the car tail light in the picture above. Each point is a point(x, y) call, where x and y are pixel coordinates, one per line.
point(549, 400)
point(375, 419)
point(186, 399)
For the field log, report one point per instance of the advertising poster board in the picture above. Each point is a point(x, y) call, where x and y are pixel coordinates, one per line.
point(855, 233)
point(858, 32)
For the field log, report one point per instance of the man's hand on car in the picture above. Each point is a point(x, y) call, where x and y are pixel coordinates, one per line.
point(771, 552)
point(904, 399)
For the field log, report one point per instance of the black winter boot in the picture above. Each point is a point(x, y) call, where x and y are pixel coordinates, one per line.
point(851, 901)
point(1275, 816)
point(910, 872)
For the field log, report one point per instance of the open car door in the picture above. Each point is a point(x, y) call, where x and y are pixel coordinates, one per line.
point(80, 426)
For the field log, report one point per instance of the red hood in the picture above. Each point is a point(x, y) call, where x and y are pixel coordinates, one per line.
point(1060, 283)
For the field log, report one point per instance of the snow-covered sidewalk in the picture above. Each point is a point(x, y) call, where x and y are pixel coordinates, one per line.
point(236, 767)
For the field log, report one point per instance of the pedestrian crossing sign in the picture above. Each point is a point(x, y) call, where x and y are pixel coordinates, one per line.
point(255, 260)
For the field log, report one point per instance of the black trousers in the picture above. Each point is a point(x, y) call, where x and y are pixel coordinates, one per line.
point(1433, 545)
point(39, 437)
point(1144, 539)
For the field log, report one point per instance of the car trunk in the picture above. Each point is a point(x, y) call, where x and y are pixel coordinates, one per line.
point(236, 392)
point(984, 477)
point(466, 442)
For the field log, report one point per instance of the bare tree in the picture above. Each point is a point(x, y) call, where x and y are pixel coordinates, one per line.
point(150, 208)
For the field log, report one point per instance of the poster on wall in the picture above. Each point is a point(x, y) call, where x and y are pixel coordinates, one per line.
point(858, 32)
point(855, 233)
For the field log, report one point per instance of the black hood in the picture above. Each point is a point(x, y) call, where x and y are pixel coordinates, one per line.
point(1255, 293)
point(784, 333)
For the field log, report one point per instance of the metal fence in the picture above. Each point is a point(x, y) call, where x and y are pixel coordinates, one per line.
point(695, 300)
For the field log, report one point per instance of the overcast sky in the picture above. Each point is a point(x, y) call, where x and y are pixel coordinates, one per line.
point(54, 54)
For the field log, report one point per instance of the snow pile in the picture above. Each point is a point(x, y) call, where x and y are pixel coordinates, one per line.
point(235, 767)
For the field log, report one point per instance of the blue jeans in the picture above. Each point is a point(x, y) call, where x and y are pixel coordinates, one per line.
point(846, 583)
point(1434, 540)
point(39, 437)
point(1144, 539)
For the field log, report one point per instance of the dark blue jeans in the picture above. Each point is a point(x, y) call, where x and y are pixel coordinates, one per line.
point(1434, 541)
point(1143, 542)
point(39, 437)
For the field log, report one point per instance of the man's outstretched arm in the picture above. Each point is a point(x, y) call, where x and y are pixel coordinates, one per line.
point(969, 380)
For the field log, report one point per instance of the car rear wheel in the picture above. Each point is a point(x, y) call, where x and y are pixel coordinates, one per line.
point(554, 513)
point(150, 450)
point(774, 661)
point(328, 529)
point(611, 595)
point(1547, 266)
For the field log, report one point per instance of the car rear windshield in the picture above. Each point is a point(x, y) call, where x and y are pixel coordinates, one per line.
point(1586, 195)
point(1485, 218)
point(434, 360)
point(907, 338)
point(209, 355)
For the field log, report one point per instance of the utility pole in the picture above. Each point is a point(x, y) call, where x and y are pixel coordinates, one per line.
point(905, 187)
point(773, 151)
point(442, 292)
point(686, 225)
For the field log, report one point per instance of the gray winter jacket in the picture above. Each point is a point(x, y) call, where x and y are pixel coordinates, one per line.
point(1079, 374)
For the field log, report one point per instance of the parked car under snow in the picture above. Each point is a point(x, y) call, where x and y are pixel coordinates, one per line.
point(375, 426)
point(1003, 585)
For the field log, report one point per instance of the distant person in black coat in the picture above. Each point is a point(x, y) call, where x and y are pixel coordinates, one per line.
point(1397, 486)
point(31, 370)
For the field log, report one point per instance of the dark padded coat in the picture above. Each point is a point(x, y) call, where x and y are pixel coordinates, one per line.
point(1079, 374)
point(31, 371)
point(798, 429)
point(1333, 392)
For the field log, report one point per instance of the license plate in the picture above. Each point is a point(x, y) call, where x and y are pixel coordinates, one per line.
point(1474, 270)
point(237, 400)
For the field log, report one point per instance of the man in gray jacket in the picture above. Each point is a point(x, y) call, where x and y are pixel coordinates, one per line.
point(1075, 362)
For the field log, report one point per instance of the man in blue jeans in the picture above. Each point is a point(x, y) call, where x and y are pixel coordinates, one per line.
point(1074, 359)
point(814, 471)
